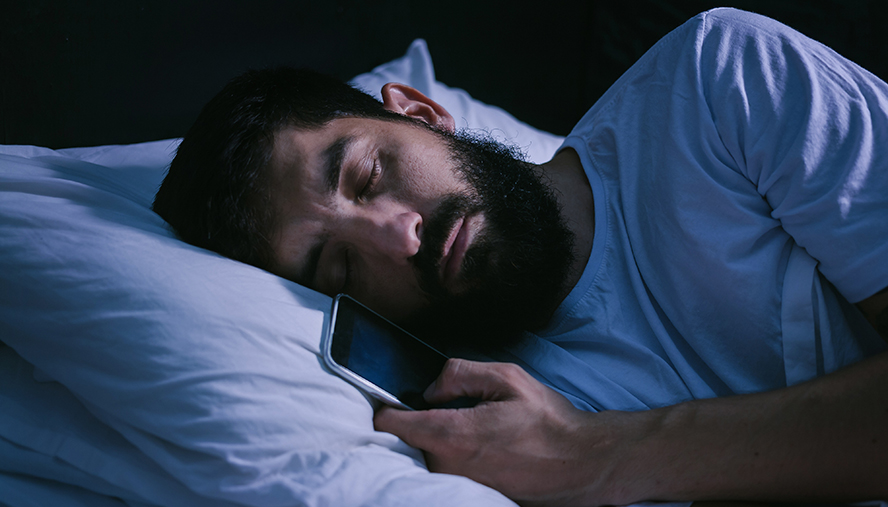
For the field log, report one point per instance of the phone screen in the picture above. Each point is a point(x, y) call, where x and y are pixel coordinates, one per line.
point(383, 354)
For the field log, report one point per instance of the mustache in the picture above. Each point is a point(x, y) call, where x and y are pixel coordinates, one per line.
point(427, 261)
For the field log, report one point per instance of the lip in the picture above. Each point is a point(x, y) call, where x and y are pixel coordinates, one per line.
point(455, 250)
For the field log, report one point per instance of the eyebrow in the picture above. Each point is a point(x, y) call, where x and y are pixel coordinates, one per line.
point(333, 156)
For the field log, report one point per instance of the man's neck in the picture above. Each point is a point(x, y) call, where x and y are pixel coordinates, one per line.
point(567, 178)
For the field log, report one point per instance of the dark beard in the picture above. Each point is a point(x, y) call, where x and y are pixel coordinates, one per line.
point(515, 269)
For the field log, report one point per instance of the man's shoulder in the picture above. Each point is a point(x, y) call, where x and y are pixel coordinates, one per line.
point(731, 15)
point(734, 20)
point(717, 32)
point(699, 49)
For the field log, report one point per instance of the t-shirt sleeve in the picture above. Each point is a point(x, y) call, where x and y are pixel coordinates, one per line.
point(809, 129)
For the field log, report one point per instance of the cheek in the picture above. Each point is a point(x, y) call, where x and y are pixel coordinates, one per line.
point(395, 296)
point(428, 173)
point(294, 237)
point(431, 184)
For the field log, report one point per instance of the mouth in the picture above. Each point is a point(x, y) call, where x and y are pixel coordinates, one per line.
point(456, 246)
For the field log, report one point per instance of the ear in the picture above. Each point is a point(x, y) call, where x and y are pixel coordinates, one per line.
point(409, 101)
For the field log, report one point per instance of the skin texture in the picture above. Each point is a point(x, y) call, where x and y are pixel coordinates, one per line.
point(822, 440)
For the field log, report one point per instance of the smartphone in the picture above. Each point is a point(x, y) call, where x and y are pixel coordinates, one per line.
point(379, 357)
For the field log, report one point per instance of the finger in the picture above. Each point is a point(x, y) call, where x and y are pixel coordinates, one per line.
point(424, 429)
point(487, 381)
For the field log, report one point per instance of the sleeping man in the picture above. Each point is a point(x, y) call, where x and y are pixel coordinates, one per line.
point(692, 286)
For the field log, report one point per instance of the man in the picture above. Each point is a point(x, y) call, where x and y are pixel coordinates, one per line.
point(705, 224)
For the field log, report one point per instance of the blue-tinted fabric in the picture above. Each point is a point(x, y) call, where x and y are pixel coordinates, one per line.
point(740, 177)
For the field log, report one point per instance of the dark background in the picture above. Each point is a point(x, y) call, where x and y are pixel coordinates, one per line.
point(123, 71)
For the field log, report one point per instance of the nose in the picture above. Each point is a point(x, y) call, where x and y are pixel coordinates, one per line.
point(395, 237)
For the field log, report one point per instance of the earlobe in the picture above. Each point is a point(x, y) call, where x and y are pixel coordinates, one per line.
point(409, 101)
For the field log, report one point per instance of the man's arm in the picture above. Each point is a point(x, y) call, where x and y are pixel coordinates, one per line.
point(807, 129)
point(826, 439)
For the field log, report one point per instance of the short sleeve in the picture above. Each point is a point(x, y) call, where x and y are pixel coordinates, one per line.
point(809, 129)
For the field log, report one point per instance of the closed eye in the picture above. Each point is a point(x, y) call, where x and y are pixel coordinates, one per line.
point(370, 182)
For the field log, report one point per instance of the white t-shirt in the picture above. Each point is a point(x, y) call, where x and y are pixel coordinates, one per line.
point(740, 177)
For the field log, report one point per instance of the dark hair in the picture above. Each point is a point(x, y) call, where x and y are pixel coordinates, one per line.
point(216, 193)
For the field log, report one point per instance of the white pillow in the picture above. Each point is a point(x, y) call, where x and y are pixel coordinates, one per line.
point(208, 370)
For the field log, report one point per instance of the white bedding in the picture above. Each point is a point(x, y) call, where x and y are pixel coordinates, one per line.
point(139, 370)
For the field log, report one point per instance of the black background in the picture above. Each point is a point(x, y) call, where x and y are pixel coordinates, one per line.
point(123, 71)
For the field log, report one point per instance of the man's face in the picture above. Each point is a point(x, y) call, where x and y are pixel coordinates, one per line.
point(418, 223)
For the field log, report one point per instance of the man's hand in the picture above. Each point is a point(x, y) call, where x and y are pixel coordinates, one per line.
point(823, 440)
point(522, 439)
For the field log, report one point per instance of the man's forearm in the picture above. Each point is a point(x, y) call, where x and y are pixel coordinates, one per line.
point(825, 439)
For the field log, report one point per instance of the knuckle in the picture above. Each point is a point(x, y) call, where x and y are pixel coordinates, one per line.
point(511, 372)
point(452, 369)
